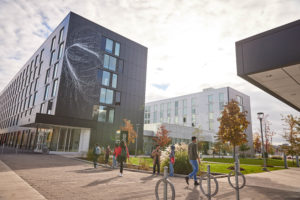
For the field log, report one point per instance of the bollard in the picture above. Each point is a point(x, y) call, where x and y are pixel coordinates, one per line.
point(237, 180)
point(166, 184)
point(297, 160)
point(285, 162)
point(208, 182)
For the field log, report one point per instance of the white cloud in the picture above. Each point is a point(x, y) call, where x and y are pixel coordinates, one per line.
point(191, 43)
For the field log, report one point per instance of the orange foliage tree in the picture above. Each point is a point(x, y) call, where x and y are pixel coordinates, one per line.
point(162, 137)
point(131, 132)
point(256, 143)
point(233, 124)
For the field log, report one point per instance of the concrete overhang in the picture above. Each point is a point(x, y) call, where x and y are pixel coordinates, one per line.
point(271, 61)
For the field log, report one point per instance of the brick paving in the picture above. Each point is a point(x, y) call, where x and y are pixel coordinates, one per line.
point(57, 177)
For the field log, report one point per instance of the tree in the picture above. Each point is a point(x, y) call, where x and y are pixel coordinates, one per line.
point(292, 135)
point(257, 143)
point(131, 132)
point(243, 148)
point(233, 124)
point(162, 138)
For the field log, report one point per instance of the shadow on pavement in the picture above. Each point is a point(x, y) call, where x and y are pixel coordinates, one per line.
point(193, 194)
point(94, 183)
point(147, 178)
point(92, 170)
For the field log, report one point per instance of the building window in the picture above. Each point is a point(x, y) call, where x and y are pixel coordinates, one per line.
point(176, 108)
point(184, 107)
point(106, 96)
point(210, 98)
point(41, 64)
point(41, 56)
point(169, 112)
point(147, 115)
point(61, 34)
point(47, 76)
point(161, 112)
point(111, 116)
point(29, 101)
point(102, 114)
point(105, 78)
point(210, 107)
point(211, 125)
point(54, 89)
point(155, 114)
point(35, 85)
point(117, 49)
point(110, 62)
point(109, 45)
point(114, 80)
point(53, 43)
point(60, 50)
point(55, 70)
point(42, 108)
point(49, 108)
point(34, 97)
point(46, 92)
point(211, 116)
point(118, 98)
point(52, 57)
point(239, 100)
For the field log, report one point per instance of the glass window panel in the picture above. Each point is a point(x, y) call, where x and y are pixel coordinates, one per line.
point(117, 49)
point(114, 81)
point(46, 92)
point(53, 43)
point(52, 57)
point(102, 114)
point(106, 61)
point(61, 34)
point(109, 45)
point(109, 96)
point(211, 115)
point(105, 78)
point(221, 97)
point(60, 50)
point(111, 116)
point(210, 98)
point(210, 107)
point(55, 70)
point(102, 95)
point(54, 88)
point(112, 63)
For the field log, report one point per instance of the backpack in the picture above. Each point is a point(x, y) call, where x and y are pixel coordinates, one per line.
point(123, 154)
point(98, 151)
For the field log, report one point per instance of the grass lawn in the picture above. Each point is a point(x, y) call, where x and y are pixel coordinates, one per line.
point(251, 161)
point(136, 160)
point(249, 169)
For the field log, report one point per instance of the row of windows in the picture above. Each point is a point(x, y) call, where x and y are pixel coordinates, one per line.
point(21, 94)
point(111, 46)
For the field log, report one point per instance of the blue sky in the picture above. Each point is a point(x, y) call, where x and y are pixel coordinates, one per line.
point(191, 44)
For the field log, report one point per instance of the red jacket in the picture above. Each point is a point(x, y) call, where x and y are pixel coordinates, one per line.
point(118, 151)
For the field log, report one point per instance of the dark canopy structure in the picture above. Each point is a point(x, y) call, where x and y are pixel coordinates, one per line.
point(271, 61)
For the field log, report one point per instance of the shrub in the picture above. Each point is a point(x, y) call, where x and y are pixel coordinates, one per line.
point(90, 155)
point(276, 157)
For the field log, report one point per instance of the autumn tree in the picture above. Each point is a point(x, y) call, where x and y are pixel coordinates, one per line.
point(292, 135)
point(130, 130)
point(162, 137)
point(233, 124)
point(256, 143)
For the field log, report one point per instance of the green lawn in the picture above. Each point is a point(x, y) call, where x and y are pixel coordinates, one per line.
point(222, 168)
point(136, 161)
point(251, 161)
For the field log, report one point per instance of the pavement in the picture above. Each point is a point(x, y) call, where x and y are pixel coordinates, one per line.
point(57, 177)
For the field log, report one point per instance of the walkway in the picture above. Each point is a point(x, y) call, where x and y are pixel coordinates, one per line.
point(57, 177)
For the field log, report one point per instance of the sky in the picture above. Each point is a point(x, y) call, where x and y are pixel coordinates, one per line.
point(191, 44)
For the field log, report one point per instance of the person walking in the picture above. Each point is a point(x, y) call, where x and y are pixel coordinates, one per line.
point(114, 164)
point(193, 157)
point(122, 155)
point(172, 160)
point(107, 153)
point(96, 154)
point(156, 153)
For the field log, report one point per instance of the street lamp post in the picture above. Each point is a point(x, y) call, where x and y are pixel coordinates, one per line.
point(260, 116)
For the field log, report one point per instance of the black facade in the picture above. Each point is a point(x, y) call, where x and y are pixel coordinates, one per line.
point(84, 76)
point(270, 60)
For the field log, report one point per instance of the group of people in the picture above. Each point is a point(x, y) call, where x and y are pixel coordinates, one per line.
point(121, 154)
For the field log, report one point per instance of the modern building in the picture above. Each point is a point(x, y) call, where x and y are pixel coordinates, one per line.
point(75, 90)
point(181, 115)
point(271, 61)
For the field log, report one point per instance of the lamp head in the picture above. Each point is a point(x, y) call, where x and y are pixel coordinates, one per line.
point(260, 115)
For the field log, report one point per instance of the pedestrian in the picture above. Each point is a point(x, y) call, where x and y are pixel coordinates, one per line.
point(96, 154)
point(172, 160)
point(193, 157)
point(114, 164)
point(107, 153)
point(156, 153)
point(122, 155)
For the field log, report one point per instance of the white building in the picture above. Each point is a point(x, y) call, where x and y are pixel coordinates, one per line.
point(198, 110)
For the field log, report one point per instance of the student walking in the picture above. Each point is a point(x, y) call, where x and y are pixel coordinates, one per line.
point(122, 155)
point(96, 154)
point(193, 157)
point(114, 164)
point(156, 153)
point(172, 160)
point(107, 153)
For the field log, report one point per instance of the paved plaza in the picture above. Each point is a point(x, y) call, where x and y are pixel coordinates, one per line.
point(36, 176)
